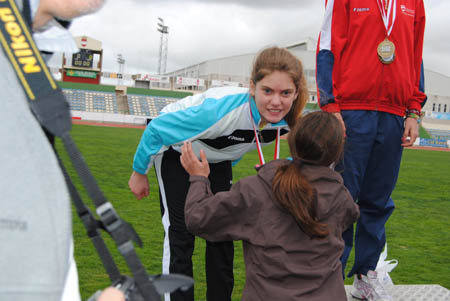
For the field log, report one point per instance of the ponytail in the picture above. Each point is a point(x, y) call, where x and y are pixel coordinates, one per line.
point(316, 139)
point(294, 192)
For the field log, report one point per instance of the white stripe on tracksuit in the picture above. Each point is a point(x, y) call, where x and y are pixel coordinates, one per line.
point(325, 32)
point(166, 223)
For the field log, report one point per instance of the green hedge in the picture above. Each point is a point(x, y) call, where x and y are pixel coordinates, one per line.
point(312, 106)
point(423, 133)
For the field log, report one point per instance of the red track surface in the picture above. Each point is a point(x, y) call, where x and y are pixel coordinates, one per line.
point(100, 123)
point(123, 125)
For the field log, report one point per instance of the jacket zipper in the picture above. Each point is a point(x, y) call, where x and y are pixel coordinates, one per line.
point(380, 88)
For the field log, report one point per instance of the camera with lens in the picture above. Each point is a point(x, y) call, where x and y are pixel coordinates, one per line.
point(162, 283)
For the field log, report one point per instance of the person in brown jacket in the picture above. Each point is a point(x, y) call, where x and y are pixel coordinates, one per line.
point(290, 216)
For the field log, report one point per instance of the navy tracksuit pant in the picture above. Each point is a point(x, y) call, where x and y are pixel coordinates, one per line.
point(370, 170)
point(178, 242)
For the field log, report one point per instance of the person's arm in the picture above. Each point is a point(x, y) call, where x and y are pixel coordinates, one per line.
point(138, 184)
point(351, 209)
point(416, 102)
point(418, 97)
point(332, 40)
point(179, 122)
point(64, 10)
point(149, 146)
point(411, 132)
point(223, 216)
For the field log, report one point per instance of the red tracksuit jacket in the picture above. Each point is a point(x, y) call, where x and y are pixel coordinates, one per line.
point(350, 75)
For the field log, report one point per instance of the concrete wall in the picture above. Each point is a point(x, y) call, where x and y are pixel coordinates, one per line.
point(110, 118)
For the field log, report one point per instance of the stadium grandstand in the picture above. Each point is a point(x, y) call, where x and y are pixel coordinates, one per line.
point(117, 104)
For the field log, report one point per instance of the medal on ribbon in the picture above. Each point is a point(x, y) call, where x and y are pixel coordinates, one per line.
point(386, 49)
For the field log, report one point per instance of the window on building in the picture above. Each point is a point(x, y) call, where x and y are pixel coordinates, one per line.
point(445, 108)
point(434, 107)
point(439, 107)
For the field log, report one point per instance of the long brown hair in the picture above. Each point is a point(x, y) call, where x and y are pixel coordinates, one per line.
point(280, 59)
point(317, 139)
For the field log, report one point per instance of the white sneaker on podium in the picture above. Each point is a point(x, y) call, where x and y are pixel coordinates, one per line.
point(369, 288)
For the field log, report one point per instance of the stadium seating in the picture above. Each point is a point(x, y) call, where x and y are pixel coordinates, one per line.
point(440, 134)
point(106, 102)
point(147, 105)
point(91, 101)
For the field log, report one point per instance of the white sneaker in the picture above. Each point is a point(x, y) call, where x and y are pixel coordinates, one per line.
point(369, 288)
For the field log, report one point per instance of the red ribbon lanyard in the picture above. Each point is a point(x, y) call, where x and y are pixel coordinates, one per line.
point(385, 11)
point(276, 154)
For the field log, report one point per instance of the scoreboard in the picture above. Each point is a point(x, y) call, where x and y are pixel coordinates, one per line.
point(85, 66)
point(84, 58)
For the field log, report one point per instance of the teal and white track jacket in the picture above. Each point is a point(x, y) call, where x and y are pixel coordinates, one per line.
point(217, 121)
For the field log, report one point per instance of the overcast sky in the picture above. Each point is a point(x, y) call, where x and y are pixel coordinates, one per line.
point(200, 30)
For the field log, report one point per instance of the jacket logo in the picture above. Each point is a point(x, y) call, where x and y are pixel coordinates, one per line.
point(236, 138)
point(407, 11)
point(361, 9)
point(13, 225)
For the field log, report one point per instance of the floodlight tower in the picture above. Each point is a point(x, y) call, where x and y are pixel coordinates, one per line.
point(121, 62)
point(163, 46)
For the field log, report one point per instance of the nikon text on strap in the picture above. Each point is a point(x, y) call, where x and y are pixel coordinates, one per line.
point(51, 109)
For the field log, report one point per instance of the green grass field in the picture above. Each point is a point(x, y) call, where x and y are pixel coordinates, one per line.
point(418, 232)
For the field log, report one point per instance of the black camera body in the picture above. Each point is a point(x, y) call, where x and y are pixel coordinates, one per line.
point(162, 283)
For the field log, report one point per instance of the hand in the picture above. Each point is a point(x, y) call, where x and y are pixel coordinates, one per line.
point(138, 184)
point(63, 10)
point(411, 132)
point(111, 294)
point(339, 117)
point(190, 162)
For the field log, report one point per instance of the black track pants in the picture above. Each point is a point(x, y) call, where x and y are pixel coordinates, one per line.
point(178, 242)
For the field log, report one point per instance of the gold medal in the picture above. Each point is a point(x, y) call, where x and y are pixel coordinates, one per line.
point(386, 51)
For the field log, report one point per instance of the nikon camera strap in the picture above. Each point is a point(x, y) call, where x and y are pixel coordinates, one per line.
point(51, 109)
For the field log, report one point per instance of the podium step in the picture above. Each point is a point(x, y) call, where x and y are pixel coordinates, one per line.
point(413, 292)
